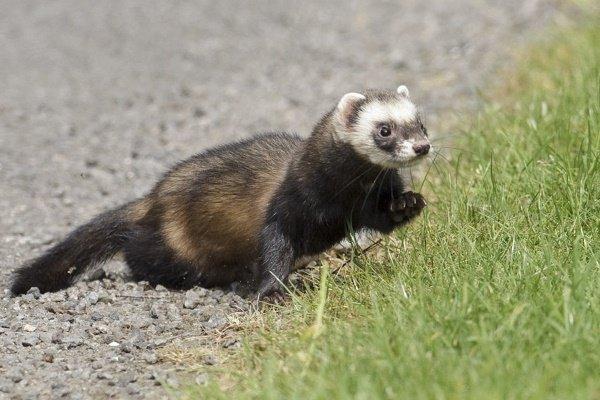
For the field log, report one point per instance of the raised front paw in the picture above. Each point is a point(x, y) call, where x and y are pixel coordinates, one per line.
point(407, 206)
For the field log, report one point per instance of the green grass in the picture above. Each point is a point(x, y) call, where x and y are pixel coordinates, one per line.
point(494, 293)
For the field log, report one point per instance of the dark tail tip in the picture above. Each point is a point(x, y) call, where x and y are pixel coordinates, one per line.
point(34, 275)
point(85, 247)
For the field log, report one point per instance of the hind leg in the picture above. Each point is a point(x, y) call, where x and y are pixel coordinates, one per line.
point(150, 260)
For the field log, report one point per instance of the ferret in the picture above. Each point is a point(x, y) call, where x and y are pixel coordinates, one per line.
point(245, 213)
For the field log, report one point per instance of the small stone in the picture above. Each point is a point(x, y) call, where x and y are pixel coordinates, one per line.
point(203, 313)
point(72, 341)
point(113, 344)
point(97, 365)
point(57, 385)
point(216, 321)
point(104, 297)
point(30, 340)
point(29, 328)
point(28, 297)
point(57, 337)
point(155, 310)
point(216, 294)
point(160, 288)
point(172, 312)
point(210, 359)
point(48, 357)
point(104, 376)
point(70, 304)
point(132, 389)
point(210, 301)
point(35, 292)
point(46, 337)
point(150, 358)
point(15, 375)
point(191, 299)
point(114, 315)
point(92, 298)
point(96, 316)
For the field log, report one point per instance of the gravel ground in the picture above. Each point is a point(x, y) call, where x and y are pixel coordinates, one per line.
point(98, 98)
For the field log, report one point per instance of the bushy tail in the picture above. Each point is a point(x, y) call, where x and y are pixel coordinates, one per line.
point(90, 244)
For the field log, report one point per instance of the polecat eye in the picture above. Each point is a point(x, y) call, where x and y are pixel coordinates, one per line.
point(385, 131)
point(424, 129)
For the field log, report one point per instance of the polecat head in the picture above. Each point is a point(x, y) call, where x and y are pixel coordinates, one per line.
point(384, 127)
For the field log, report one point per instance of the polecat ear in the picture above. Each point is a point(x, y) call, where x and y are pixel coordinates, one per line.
point(403, 91)
point(345, 107)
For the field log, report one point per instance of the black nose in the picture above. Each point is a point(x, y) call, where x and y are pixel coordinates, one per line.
point(421, 148)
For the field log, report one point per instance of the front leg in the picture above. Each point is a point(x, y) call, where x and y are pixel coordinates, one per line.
point(276, 260)
point(391, 212)
point(406, 207)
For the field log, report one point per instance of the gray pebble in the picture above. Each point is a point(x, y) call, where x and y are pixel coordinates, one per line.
point(216, 294)
point(56, 337)
point(210, 359)
point(150, 358)
point(15, 375)
point(191, 299)
point(35, 292)
point(126, 348)
point(30, 340)
point(215, 321)
point(96, 316)
point(156, 310)
point(92, 298)
point(133, 389)
point(97, 365)
point(104, 376)
point(72, 341)
point(104, 297)
point(48, 357)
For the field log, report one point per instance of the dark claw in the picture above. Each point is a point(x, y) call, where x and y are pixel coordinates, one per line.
point(407, 207)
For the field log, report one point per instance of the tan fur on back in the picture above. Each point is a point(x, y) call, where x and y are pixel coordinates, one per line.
point(213, 208)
